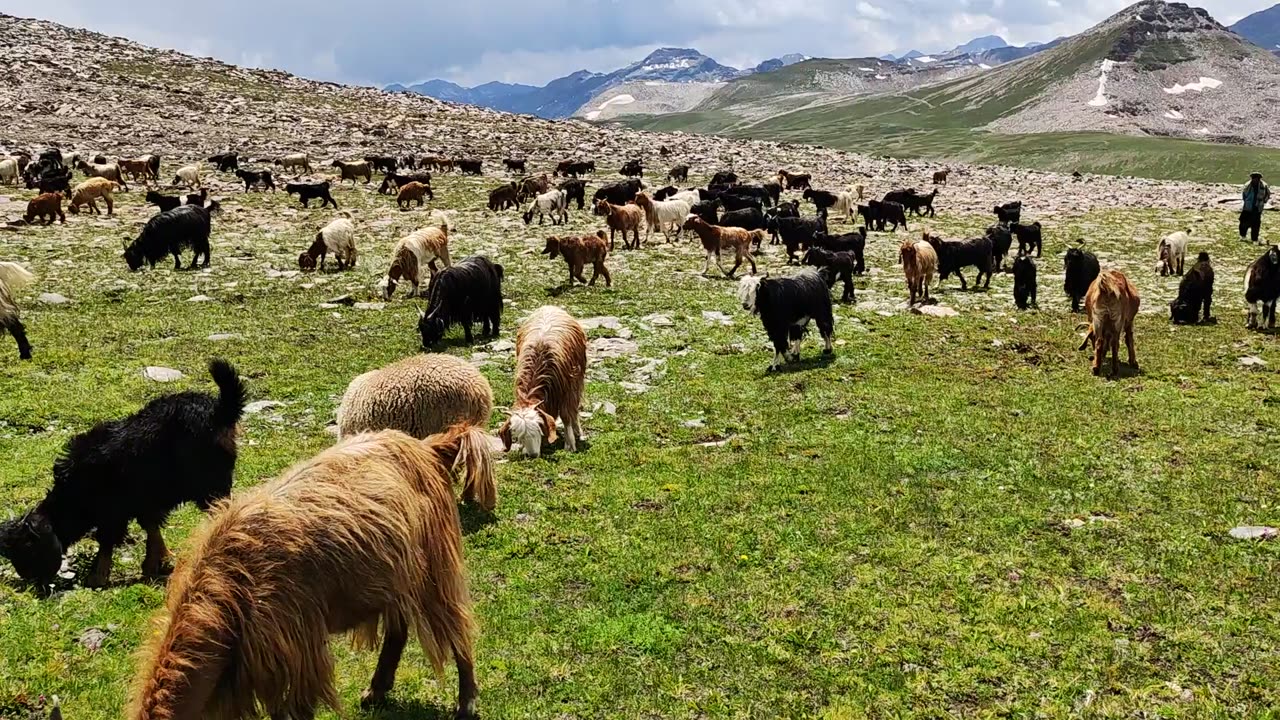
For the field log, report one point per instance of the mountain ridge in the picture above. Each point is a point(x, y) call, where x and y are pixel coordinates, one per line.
point(1261, 28)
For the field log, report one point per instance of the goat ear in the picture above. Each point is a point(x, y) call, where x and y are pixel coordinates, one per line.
point(504, 433)
point(548, 426)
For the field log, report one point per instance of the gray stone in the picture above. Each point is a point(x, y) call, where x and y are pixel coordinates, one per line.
point(939, 311)
point(715, 316)
point(607, 322)
point(254, 408)
point(369, 306)
point(223, 337)
point(53, 299)
point(1254, 532)
point(200, 299)
point(1252, 361)
point(501, 346)
point(634, 387)
point(92, 639)
point(162, 374)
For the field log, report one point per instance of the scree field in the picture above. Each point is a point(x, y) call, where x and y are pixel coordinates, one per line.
point(949, 518)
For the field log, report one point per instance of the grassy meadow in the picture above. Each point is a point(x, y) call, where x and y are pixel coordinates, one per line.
point(950, 518)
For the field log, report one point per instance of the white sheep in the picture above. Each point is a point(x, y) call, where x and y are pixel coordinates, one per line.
point(554, 203)
point(9, 171)
point(421, 395)
point(13, 277)
point(663, 215)
point(295, 161)
point(188, 175)
point(339, 238)
point(1173, 253)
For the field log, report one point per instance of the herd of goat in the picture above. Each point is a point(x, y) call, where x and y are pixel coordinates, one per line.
point(366, 537)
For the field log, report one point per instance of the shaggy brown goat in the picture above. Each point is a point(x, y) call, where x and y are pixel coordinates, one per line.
point(47, 207)
point(716, 239)
point(531, 187)
point(919, 264)
point(551, 368)
point(577, 252)
point(1111, 305)
point(621, 218)
point(90, 190)
point(353, 171)
point(790, 181)
point(412, 192)
point(940, 177)
point(363, 536)
point(418, 248)
point(139, 169)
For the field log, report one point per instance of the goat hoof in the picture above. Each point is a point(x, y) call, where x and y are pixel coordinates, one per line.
point(828, 351)
point(371, 698)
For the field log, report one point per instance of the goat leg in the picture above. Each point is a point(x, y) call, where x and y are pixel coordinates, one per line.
point(1128, 342)
point(155, 564)
point(394, 639)
point(19, 333)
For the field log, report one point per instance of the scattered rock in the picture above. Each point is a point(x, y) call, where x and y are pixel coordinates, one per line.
point(605, 407)
point(162, 374)
point(657, 320)
point(501, 346)
point(696, 423)
point(340, 300)
point(53, 299)
point(223, 337)
point(200, 299)
point(1252, 361)
point(939, 311)
point(608, 322)
point(332, 430)
point(603, 348)
point(92, 639)
point(254, 408)
point(369, 305)
point(1254, 532)
point(634, 387)
point(715, 316)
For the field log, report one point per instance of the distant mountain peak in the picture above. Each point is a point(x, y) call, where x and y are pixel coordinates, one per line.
point(1261, 28)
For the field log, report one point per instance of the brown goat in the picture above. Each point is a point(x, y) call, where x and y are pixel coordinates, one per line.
point(919, 264)
point(1111, 305)
point(137, 169)
point(90, 190)
point(47, 207)
point(418, 248)
point(578, 251)
point(621, 218)
point(551, 371)
point(531, 187)
point(940, 177)
point(715, 239)
point(365, 534)
point(412, 192)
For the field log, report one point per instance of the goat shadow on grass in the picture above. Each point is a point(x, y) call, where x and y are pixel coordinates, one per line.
point(394, 709)
point(474, 519)
point(453, 342)
point(804, 364)
point(1127, 371)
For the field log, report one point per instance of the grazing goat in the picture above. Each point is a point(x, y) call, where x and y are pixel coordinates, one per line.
point(955, 255)
point(363, 537)
point(1001, 236)
point(412, 192)
point(576, 191)
point(50, 180)
point(731, 201)
point(794, 233)
point(748, 219)
point(551, 369)
point(91, 190)
point(10, 171)
point(940, 177)
point(164, 202)
point(1194, 292)
point(504, 197)
point(470, 167)
point(138, 169)
point(1024, 281)
point(693, 197)
point(619, 193)
point(467, 291)
point(632, 168)
point(843, 203)
point(718, 239)
point(339, 238)
point(198, 199)
point(707, 210)
point(168, 233)
point(514, 166)
point(395, 181)
point(573, 168)
point(381, 163)
point(679, 173)
point(47, 207)
point(1111, 305)
point(296, 161)
point(910, 200)
point(625, 219)
point(253, 178)
point(724, 177)
point(785, 306)
point(835, 266)
point(1009, 213)
point(578, 251)
point(919, 264)
point(226, 161)
point(106, 171)
point(876, 214)
point(854, 243)
point(1029, 237)
point(188, 175)
point(1262, 285)
point(354, 171)
point(1173, 253)
point(665, 215)
point(14, 277)
point(418, 248)
point(307, 192)
point(1080, 269)
point(794, 182)
point(530, 187)
point(177, 449)
point(553, 203)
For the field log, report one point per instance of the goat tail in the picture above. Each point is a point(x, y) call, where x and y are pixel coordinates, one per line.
point(465, 450)
point(15, 277)
point(231, 393)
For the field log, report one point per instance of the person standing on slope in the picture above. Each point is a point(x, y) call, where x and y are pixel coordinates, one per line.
point(1256, 195)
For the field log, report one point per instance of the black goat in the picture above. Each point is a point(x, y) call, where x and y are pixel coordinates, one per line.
point(1080, 269)
point(470, 167)
point(307, 192)
point(48, 178)
point(382, 163)
point(1194, 292)
point(822, 200)
point(764, 196)
point(251, 178)
point(790, 208)
point(164, 202)
point(1262, 285)
point(876, 214)
point(1029, 237)
point(226, 162)
point(1024, 281)
point(177, 449)
point(794, 182)
point(394, 181)
point(914, 202)
point(854, 242)
point(632, 168)
point(794, 233)
point(835, 266)
point(469, 290)
point(169, 233)
point(1001, 242)
point(575, 190)
point(573, 168)
point(515, 166)
point(956, 255)
point(727, 177)
point(197, 199)
point(707, 210)
point(1010, 213)
point(679, 173)
point(618, 193)
point(785, 306)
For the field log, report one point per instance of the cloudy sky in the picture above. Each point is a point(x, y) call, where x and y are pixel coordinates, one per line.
point(386, 41)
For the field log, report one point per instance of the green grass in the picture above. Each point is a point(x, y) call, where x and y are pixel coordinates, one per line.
point(888, 534)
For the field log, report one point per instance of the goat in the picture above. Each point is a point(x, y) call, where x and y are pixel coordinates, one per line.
point(411, 252)
point(14, 277)
point(1024, 281)
point(47, 207)
point(632, 168)
point(307, 192)
point(164, 202)
point(514, 166)
point(168, 233)
point(106, 171)
point(707, 210)
point(794, 182)
point(955, 255)
point(1194, 292)
point(717, 239)
point(679, 173)
point(296, 161)
point(225, 161)
point(339, 238)
point(854, 243)
point(364, 536)
point(1173, 253)
point(786, 305)
point(470, 167)
point(1009, 213)
point(577, 252)
point(138, 169)
point(940, 177)
point(395, 181)
point(621, 218)
point(504, 197)
point(1001, 236)
point(1111, 306)
point(663, 215)
point(724, 177)
point(835, 265)
point(878, 214)
point(919, 264)
point(1262, 285)
point(381, 163)
point(531, 186)
point(551, 368)
point(354, 171)
point(794, 233)
point(553, 203)
point(188, 175)
point(91, 190)
point(1080, 269)
point(177, 449)
point(731, 201)
point(469, 290)
point(252, 178)
point(575, 191)
point(573, 168)
point(619, 193)
point(917, 204)
point(1029, 237)
point(412, 192)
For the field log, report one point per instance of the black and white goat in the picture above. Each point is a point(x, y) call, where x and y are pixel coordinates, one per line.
point(469, 290)
point(785, 306)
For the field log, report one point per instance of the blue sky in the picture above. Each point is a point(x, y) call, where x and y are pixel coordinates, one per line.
point(386, 41)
